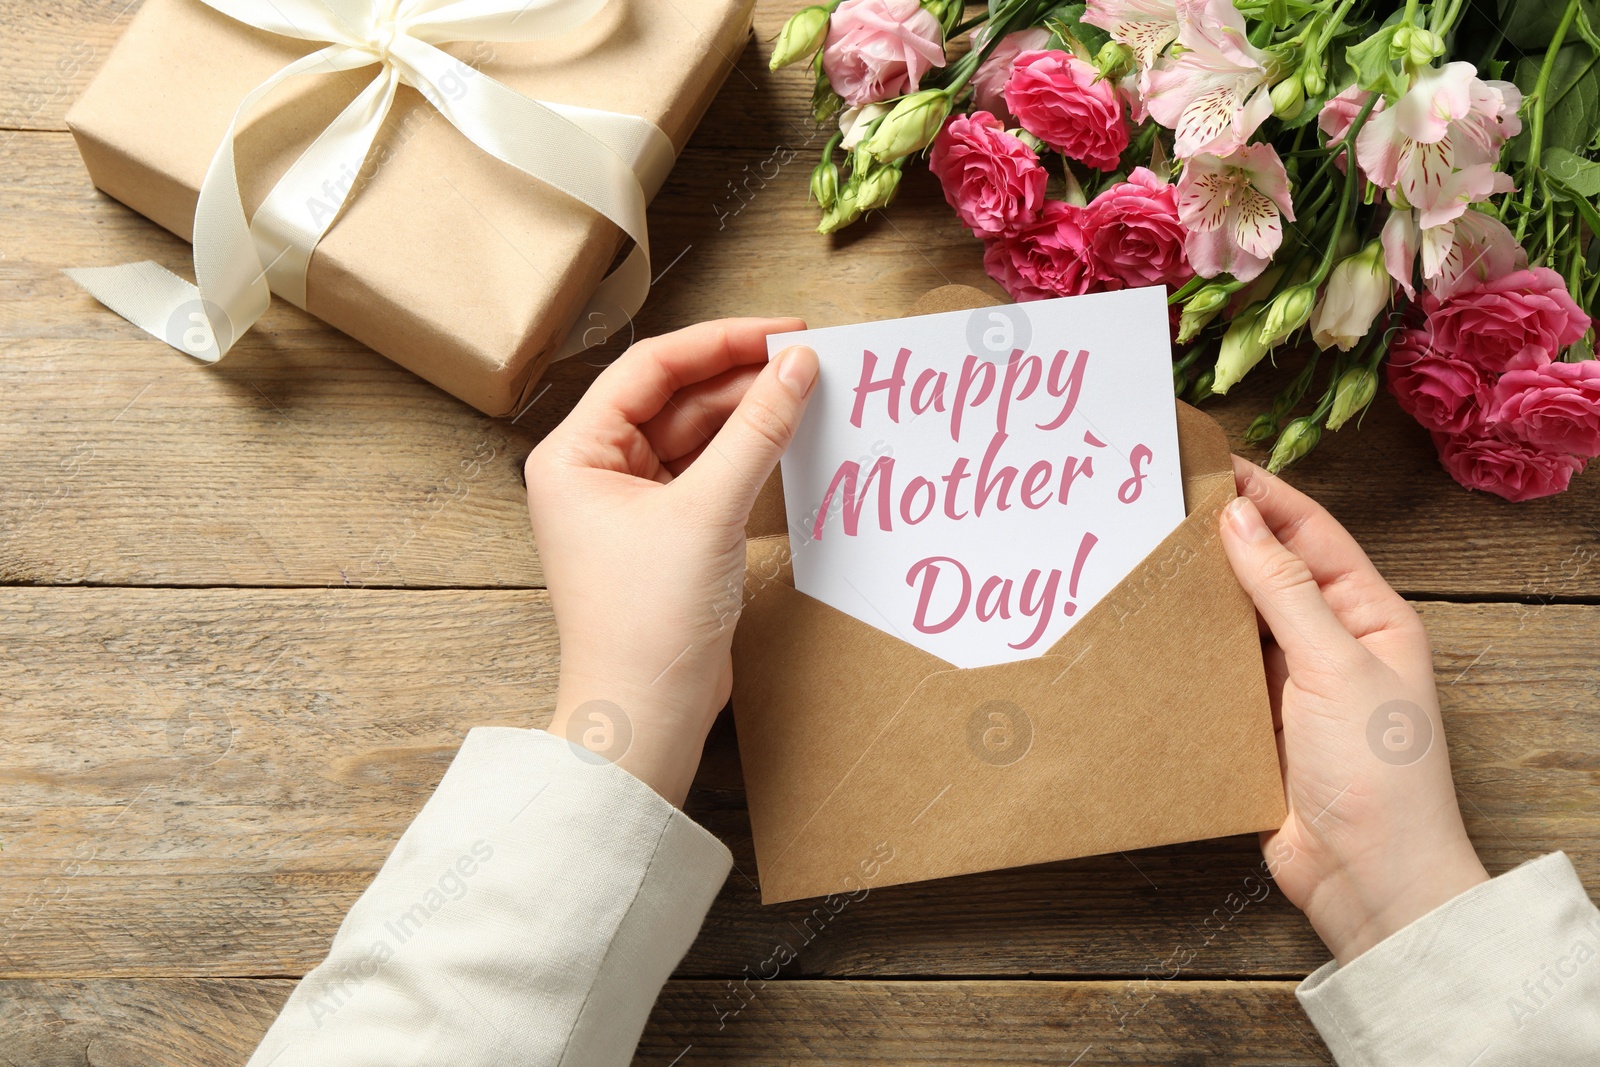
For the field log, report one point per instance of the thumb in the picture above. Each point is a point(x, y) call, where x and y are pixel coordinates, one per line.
point(738, 460)
point(1286, 594)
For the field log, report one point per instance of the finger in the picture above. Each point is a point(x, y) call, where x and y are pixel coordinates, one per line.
point(695, 414)
point(638, 385)
point(1285, 592)
point(683, 463)
point(740, 457)
point(1352, 586)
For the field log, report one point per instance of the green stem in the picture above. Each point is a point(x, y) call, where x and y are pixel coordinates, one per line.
point(1189, 288)
point(1540, 88)
point(1335, 24)
point(1442, 24)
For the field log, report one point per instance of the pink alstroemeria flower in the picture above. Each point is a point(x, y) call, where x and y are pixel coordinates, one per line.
point(1231, 209)
point(1436, 149)
point(1145, 26)
point(1435, 152)
point(1472, 249)
point(1215, 93)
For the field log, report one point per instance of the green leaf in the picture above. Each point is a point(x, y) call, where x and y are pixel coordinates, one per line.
point(1070, 17)
point(1374, 69)
point(1581, 175)
point(1572, 99)
point(1586, 208)
point(1530, 24)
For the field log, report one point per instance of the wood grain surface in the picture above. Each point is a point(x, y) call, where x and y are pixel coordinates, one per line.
point(160, 1022)
point(200, 782)
point(247, 613)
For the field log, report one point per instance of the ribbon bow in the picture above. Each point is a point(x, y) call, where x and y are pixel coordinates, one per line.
point(603, 159)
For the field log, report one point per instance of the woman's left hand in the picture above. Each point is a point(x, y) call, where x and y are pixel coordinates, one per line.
point(639, 501)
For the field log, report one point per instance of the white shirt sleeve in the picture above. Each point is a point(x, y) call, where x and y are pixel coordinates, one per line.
point(529, 915)
point(1507, 973)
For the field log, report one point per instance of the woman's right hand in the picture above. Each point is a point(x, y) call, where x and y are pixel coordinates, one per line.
point(1373, 839)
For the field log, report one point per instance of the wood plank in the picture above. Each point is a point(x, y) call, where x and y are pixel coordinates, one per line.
point(305, 459)
point(202, 781)
point(150, 1022)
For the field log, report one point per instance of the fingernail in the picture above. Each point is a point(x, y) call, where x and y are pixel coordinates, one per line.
point(797, 370)
point(1246, 520)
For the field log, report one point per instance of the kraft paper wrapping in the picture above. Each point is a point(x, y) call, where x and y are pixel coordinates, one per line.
point(447, 261)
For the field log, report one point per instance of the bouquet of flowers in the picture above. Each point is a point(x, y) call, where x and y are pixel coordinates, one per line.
point(1410, 184)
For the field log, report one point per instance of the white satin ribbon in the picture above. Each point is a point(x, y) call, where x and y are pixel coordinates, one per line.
point(609, 161)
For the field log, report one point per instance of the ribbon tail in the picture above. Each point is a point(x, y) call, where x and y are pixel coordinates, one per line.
point(616, 300)
point(204, 320)
point(157, 301)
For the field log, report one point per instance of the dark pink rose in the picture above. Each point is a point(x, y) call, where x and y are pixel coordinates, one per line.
point(1046, 258)
point(992, 179)
point(1555, 407)
point(878, 49)
point(989, 81)
point(1443, 394)
point(1134, 232)
point(1496, 464)
point(1517, 322)
point(1056, 98)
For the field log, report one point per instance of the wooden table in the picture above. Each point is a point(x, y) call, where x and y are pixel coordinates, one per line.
point(248, 613)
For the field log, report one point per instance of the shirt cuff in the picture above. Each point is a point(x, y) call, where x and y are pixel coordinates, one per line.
point(1506, 973)
point(530, 913)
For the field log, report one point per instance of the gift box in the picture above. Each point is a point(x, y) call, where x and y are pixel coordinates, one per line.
point(450, 262)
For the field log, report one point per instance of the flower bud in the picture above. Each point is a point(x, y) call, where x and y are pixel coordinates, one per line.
point(1202, 388)
point(1357, 290)
point(801, 36)
point(825, 183)
point(843, 212)
point(1261, 427)
point(1288, 312)
point(1357, 386)
point(1114, 61)
point(877, 188)
point(1289, 97)
point(1242, 348)
point(948, 12)
point(910, 127)
point(1313, 79)
point(1199, 310)
point(1298, 438)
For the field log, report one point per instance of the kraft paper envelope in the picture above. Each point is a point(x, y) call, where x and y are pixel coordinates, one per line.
point(870, 762)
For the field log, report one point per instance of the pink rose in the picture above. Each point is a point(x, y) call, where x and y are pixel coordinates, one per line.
point(1047, 258)
point(1517, 322)
point(992, 179)
point(1554, 407)
point(1057, 99)
point(877, 49)
point(1134, 232)
point(1443, 394)
point(1496, 464)
point(989, 81)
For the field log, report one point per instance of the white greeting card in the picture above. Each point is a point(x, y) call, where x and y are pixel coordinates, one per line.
point(973, 482)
